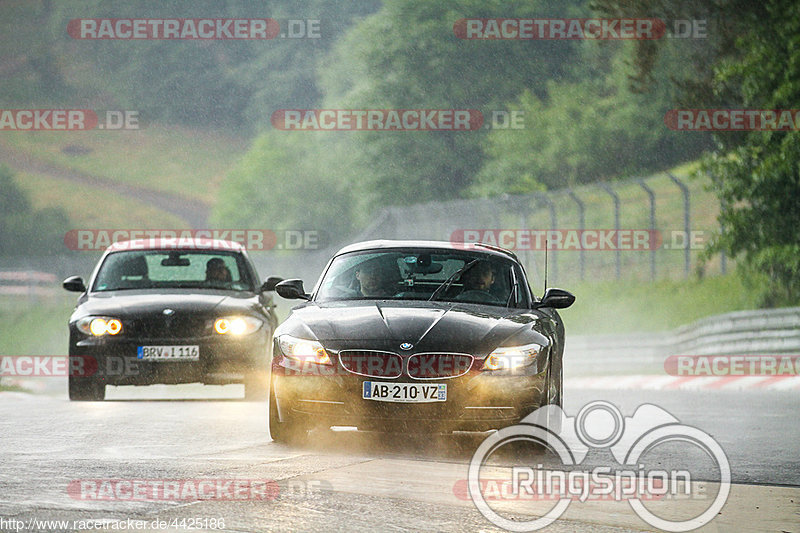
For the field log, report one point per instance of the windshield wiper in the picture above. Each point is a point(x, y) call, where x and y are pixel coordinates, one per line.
point(449, 281)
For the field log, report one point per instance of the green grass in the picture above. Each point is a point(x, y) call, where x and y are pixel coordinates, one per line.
point(35, 327)
point(81, 201)
point(638, 306)
point(188, 162)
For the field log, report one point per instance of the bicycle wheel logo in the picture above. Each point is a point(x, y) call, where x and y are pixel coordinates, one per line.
point(600, 425)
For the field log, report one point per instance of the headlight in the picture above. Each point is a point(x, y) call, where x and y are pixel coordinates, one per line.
point(97, 326)
point(511, 357)
point(304, 350)
point(237, 325)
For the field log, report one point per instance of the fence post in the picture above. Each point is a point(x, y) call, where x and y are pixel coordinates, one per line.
point(553, 225)
point(687, 261)
point(581, 227)
point(615, 196)
point(652, 197)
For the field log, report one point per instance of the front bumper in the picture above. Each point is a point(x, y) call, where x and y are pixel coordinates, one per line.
point(476, 401)
point(221, 360)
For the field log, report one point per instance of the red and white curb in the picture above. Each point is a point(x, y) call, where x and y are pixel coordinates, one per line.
point(785, 383)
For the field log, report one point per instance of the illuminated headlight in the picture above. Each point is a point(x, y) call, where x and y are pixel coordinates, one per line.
point(304, 350)
point(511, 357)
point(98, 326)
point(237, 325)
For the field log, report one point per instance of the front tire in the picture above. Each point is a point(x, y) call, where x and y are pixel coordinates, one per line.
point(287, 431)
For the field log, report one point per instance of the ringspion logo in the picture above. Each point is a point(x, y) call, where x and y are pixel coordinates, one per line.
point(598, 425)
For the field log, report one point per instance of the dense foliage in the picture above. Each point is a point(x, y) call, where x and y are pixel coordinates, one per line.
point(752, 61)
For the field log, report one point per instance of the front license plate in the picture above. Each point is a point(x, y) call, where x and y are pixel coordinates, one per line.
point(168, 353)
point(404, 392)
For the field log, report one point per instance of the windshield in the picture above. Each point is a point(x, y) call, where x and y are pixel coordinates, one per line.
point(420, 274)
point(172, 269)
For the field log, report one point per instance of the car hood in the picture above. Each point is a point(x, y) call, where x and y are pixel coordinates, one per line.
point(428, 326)
point(127, 303)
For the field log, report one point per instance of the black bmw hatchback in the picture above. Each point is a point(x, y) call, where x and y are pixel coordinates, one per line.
point(167, 311)
point(416, 335)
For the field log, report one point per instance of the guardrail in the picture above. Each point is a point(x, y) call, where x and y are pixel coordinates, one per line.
point(29, 283)
point(760, 332)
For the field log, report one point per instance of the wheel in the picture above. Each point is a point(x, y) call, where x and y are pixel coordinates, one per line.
point(555, 388)
point(86, 389)
point(288, 430)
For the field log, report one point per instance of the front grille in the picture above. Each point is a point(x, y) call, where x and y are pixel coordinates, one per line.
point(438, 365)
point(176, 326)
point(371, 363)
point(421, 366)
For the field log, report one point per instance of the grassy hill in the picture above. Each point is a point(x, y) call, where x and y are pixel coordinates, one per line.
point(177, 161)
point(193, 164)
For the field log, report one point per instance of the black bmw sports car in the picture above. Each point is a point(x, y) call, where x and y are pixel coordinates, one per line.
point(416, 335)
point(167, 311)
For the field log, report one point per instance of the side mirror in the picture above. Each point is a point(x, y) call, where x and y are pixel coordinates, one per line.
point(74, 284)
point(292, 289)
point(269, 285)
point(556, 298)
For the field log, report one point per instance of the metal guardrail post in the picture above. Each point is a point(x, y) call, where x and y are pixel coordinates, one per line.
point(615, 196)
point(687, 261)
point(581, 227)
point(652, 197)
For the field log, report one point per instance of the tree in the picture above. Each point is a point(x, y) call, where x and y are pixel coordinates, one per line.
point(406, 56)
point(591, 129)
point(752, 61)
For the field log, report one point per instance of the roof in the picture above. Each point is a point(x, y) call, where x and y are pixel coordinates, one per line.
point(183, 243)
point(445, 245)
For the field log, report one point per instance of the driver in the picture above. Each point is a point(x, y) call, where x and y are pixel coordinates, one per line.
point(216, 271)
point(377, 277)
point(479, 278)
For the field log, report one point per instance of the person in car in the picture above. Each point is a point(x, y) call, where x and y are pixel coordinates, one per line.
point(217, 272)
point(479, 277)
point(377, 277)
